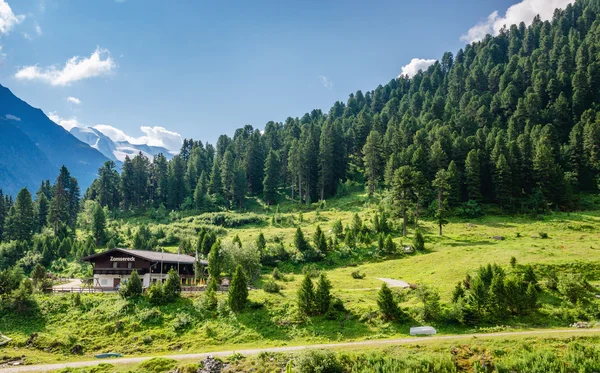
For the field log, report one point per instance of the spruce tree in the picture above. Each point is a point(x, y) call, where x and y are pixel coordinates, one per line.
point(172, 286)
point(215, 261)
point(386, 303)
point(210, 295)
point(20, 222)
point(99, 225)
point(237, 295)
point(323, 295)
point(133, 288)
point(373, 160)
point(306, 296)
point(473, 176)
point(441, 182)
point(271, 181)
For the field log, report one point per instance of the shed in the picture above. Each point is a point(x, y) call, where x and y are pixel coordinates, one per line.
point(422, 330)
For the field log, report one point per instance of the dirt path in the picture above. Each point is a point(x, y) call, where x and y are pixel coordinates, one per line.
point(199, 356)
point(395, 283)
point(71, 283)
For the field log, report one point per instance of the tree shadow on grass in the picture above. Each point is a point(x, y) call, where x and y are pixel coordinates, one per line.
point(260, 321)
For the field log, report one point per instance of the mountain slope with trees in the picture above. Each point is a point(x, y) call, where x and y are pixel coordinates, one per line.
point(512, 120)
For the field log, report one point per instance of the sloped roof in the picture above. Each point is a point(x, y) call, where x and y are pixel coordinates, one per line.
point(154, 256)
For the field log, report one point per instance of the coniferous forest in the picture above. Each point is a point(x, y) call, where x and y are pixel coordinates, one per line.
point(512, 120)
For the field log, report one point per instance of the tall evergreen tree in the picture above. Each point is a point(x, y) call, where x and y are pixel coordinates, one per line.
point(373, 161)
point(271, 181)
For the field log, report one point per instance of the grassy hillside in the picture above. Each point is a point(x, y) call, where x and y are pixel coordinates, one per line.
point(77, 326)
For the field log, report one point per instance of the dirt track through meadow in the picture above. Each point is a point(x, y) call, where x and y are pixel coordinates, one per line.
point(380, 342)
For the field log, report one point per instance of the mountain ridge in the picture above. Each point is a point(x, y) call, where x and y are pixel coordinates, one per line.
point(29, 132)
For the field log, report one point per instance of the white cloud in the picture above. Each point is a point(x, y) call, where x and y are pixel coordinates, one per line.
point(74, 100)
point(415, 65)
point(98, 64)
point(8, 19)
point(525, 11)
point(160, 136)
point(38, 29)
point(154, 136)
point(63, 122)
point(12, 117)
point(2, 55)
point(326, 82)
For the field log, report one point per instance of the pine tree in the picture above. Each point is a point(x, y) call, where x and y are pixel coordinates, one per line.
point(306, 296)
point(214, 185)
point(373, 161)
point(133, 287)
point(300, 242)
point(215, 262)
point(403, 193)
point(228, 176)
point(473, 176)
point(323, 295)
point(210, 295)
point(271, 181)
point(442, 185)
point(503, 182)
point(386, 303)
point(20, 222)
point(42, 206)
point(172, 286)
point(99, 225)
point(237, 295)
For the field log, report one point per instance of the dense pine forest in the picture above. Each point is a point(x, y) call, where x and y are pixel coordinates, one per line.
point(509, 121)
point(512, 120)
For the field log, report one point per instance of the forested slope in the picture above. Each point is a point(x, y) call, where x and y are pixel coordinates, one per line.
point(513, 119)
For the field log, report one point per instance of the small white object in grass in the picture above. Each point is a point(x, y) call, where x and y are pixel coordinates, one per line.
point(422, 330)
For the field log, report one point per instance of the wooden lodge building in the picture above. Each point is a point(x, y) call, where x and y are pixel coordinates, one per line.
point(113, 267)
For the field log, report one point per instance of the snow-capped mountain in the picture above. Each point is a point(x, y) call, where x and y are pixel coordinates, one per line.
point(116, 150)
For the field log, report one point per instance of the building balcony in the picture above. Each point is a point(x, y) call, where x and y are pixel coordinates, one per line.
point(119, 271)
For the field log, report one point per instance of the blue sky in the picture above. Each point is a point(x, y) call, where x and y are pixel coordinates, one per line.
point(154, 71)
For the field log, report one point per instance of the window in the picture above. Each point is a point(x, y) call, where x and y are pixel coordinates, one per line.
point(115, 265)
point(103, 282)
point(129, 265)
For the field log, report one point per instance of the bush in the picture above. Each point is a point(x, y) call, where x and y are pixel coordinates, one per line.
point(311, 270)
point(543, 235)
point(357, 275)
point(278, 276)
point(172, 287)
point(271, 286)
point(246, 256)
point(181, 321)
point(318, 361)
point(469, 210)
point(573, 288)
point(418, 241)
point(155, 294)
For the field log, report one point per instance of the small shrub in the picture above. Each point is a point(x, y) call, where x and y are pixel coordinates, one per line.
point(278, 276)
point(311, 271)
point(357, 275)
point(271, 286)
point(543, 235)
point(418, 241)
point(317, 361)
point(157, 365)
point(181, 321)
